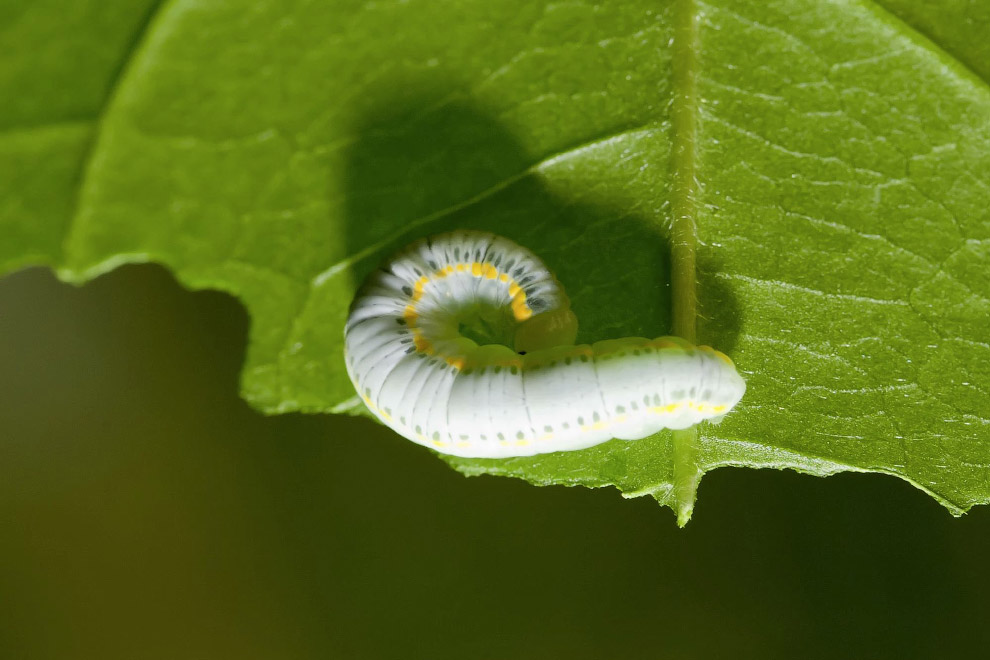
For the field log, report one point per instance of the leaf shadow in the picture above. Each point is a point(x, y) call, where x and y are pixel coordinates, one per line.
point(431, 162)
point(719, 313)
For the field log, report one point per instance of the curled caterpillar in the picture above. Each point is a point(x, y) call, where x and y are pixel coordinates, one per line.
point(410, 358)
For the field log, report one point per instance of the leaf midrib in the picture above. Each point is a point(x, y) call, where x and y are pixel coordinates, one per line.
point(684, 188)
point(684, 235)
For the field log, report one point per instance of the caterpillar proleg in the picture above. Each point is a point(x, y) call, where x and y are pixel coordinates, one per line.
point(411, 352)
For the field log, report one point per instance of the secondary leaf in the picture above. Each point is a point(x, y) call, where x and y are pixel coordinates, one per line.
point(837, 197)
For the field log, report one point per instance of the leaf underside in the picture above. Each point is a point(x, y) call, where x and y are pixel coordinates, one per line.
point(279, 151)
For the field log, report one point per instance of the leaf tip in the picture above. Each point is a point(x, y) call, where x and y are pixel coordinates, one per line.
point(684, 511)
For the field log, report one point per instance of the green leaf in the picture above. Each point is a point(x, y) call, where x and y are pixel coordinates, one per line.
point(58, 64)
point(814, 174)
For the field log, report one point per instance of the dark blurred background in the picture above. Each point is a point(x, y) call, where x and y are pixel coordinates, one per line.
point(148, 512)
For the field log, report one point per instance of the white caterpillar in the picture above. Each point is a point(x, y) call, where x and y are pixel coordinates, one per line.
point(416, 370)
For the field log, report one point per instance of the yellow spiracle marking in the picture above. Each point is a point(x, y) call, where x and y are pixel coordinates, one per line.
point(597, 426)
point(418, 287)
point(422, 344)
point(373, 408)
point(520, 310)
